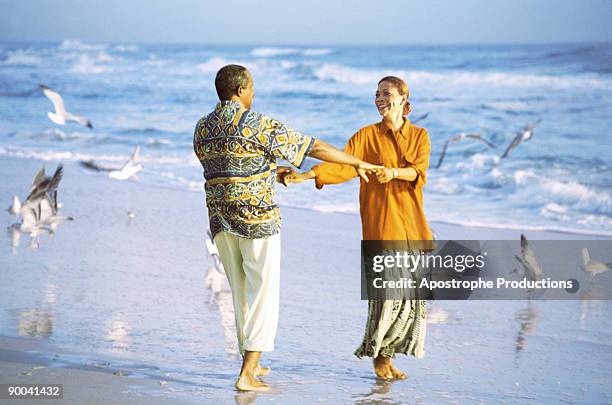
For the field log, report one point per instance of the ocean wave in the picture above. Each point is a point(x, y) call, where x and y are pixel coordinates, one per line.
point(349, 75)
point(51, 155)
point(523, 227)
point(74, 45)
point(577, 195)
point(22, 57)
point(267, 52)
point(87, 65)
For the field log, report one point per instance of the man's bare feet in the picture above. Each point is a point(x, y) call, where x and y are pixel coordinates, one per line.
point(245, 383)
point(383, 368)
point(262, 371)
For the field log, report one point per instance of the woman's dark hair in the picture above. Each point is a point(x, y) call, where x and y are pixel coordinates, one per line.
point(229, 79)
point(402, 89)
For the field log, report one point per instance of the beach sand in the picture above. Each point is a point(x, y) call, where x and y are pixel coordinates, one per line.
point(130, 295)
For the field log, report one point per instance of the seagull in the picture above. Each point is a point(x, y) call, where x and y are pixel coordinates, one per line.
point(61, 115)
point(421, 118)
point(458, 138)
point(131, 215)
point(532, 269)
point(45, 187)
point(523, 135)
point(593, 267)
point(130, 168)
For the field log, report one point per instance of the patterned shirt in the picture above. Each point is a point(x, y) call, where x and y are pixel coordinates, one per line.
point(238, 149)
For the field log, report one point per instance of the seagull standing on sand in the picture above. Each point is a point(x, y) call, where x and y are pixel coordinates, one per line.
point(593, 267)
point(130, 168)
point(532, 269)
point(15, 206)
point(522, 136)
point(60, 116)
point(458, 138)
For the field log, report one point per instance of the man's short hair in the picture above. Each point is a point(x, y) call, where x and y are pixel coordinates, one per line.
point(229, 79)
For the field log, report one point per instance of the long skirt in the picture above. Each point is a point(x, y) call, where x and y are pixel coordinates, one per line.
point(394, 326)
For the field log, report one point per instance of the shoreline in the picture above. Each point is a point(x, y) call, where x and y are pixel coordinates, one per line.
point(106, 289)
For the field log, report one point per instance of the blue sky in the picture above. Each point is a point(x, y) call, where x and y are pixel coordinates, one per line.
point(309, 21)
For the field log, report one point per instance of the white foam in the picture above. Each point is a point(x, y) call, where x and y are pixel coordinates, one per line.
point(268, 52)
point(22, 58)
point(87, 65)
point(51, 155)
point(570, 192)
point(74, 45)
point(317, 51)
point(351, 75)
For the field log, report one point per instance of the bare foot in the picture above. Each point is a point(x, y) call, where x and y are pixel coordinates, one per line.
point(397, 373)
point(245, 383)
point(381, 367)
point(262, 371)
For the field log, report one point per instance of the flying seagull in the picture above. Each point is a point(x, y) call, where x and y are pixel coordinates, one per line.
point(60, 116)
point(420, 118)
point(593, 267)
point(459, 138)
point(45, 187)
point(129, 168)
point(523, 135)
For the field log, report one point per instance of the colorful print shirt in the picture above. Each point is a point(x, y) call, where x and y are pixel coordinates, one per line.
point(238, 149)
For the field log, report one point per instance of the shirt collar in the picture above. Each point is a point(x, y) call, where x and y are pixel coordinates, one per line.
point(229, 103)
point(403, 131)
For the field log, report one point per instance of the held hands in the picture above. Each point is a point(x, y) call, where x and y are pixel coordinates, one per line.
point(282, 172)
point(383, 174)
point(286, 175)
point(364, 168)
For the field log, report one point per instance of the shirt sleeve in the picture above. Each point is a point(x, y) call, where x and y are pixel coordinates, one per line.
point(419, 161)
point(334, 173)
point(285, 143)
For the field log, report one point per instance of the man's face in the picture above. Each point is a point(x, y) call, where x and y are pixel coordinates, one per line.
point(246, 95)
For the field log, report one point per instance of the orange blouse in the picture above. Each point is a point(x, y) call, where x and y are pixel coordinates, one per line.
point(391, 211)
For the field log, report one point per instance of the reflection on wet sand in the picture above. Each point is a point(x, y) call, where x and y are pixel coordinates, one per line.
point(378, 394)
point(245, 398)
point(35, 323)
point(221, 297)
point(592, 297)
point(38, 322)
point(528, 319)
point(118, 332)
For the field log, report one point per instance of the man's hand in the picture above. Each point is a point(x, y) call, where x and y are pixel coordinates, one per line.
point(383, 174)
point(281, 174)
point(296, 177)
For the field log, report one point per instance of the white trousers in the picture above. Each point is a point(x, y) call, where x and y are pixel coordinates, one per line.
point(253, 271)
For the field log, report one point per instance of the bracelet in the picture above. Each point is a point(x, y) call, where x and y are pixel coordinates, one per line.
point(394, 170)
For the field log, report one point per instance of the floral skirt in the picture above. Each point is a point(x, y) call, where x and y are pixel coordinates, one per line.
point(394, 326)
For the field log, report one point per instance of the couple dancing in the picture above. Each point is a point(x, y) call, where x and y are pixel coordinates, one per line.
point(238, 148)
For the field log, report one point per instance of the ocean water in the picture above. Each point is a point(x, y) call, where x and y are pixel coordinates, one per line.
point(152, 95)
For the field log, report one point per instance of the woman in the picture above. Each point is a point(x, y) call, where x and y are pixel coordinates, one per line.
point(391, 208)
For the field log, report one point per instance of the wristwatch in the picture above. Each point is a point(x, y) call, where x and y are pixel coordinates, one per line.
point(394, 170)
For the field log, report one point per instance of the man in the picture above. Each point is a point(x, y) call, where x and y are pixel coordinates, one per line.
point(238, 149)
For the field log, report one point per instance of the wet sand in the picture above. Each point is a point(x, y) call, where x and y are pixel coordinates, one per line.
point(131, 293)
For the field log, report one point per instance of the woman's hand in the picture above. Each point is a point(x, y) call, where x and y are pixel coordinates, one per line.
point(384, 174)
point(281, 174)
